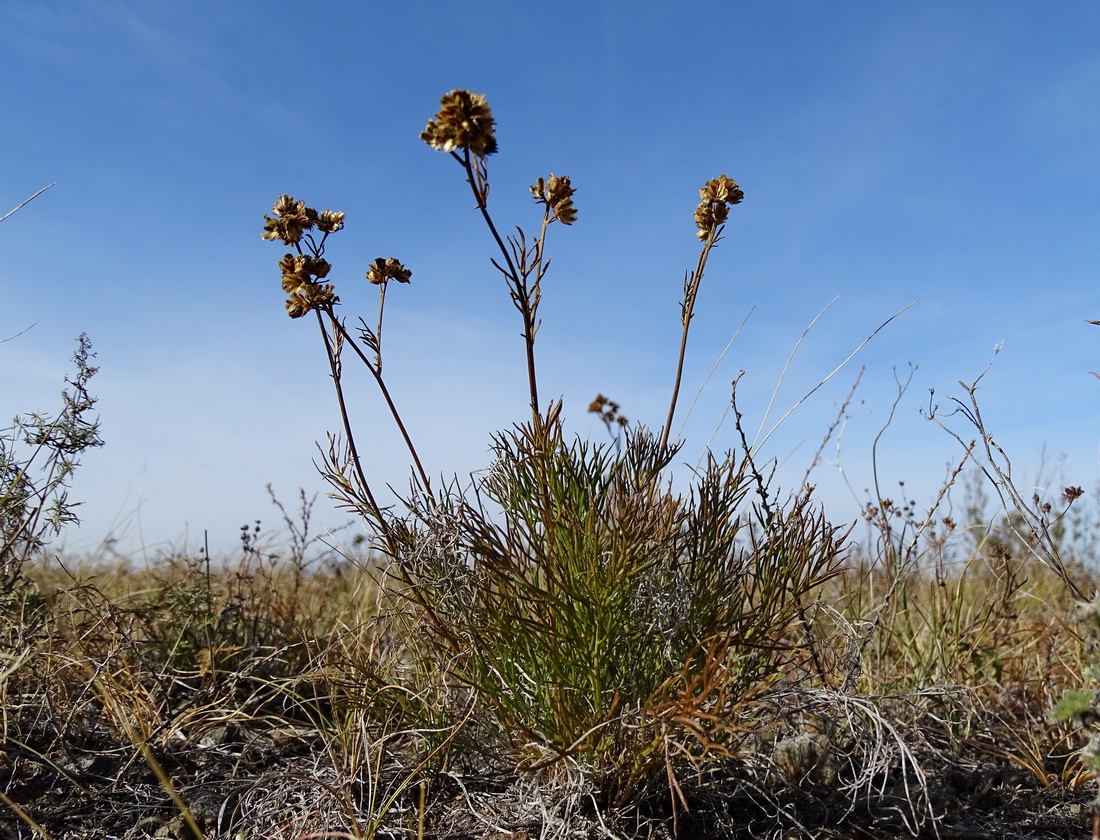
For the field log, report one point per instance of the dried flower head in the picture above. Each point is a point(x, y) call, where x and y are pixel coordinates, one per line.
point(330, 221)
point(708, 216)
point(318, 267)
point(382, 271)
point(301, 270)
point(601, 402)
point(557, 194)
point(291, 219)
point(608, 411)
point(296, 305)
point(718, 195)
point(722, 189)
point(294, 272)
point(464, 121)
point(310, 296)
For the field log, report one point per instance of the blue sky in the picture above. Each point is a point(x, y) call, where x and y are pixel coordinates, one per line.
point(941, 152)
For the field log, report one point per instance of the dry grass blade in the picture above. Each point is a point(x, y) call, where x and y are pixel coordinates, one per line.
point(25, 202)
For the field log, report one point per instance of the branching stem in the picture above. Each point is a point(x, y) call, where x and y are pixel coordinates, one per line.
point(345, 336)
point(334, 367)
point(476, 178)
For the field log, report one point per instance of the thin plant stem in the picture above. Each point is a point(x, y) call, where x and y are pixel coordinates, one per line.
point(994, 463)
point(378, 334)
point(699, 393)
point(529, 310)
point(691, 292)
point(334, 367)
point(787, 366)
point(892, 551)
point(390, 404)
point(521, 293)
point(759, 443)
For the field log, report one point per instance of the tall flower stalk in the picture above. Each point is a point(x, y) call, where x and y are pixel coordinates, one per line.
point(464, 127)
point(306, 230)
point(717, 196)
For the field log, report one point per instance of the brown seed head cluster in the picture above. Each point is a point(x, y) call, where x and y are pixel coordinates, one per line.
point(381, 271)
point(288, 223)
point(330, 221)
point(310, 296)
point(556, 193)
point(300, 275)
point(608, 410)
point(464, 121)
point(302, 270)
point(292, 218)
point(718, 195)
